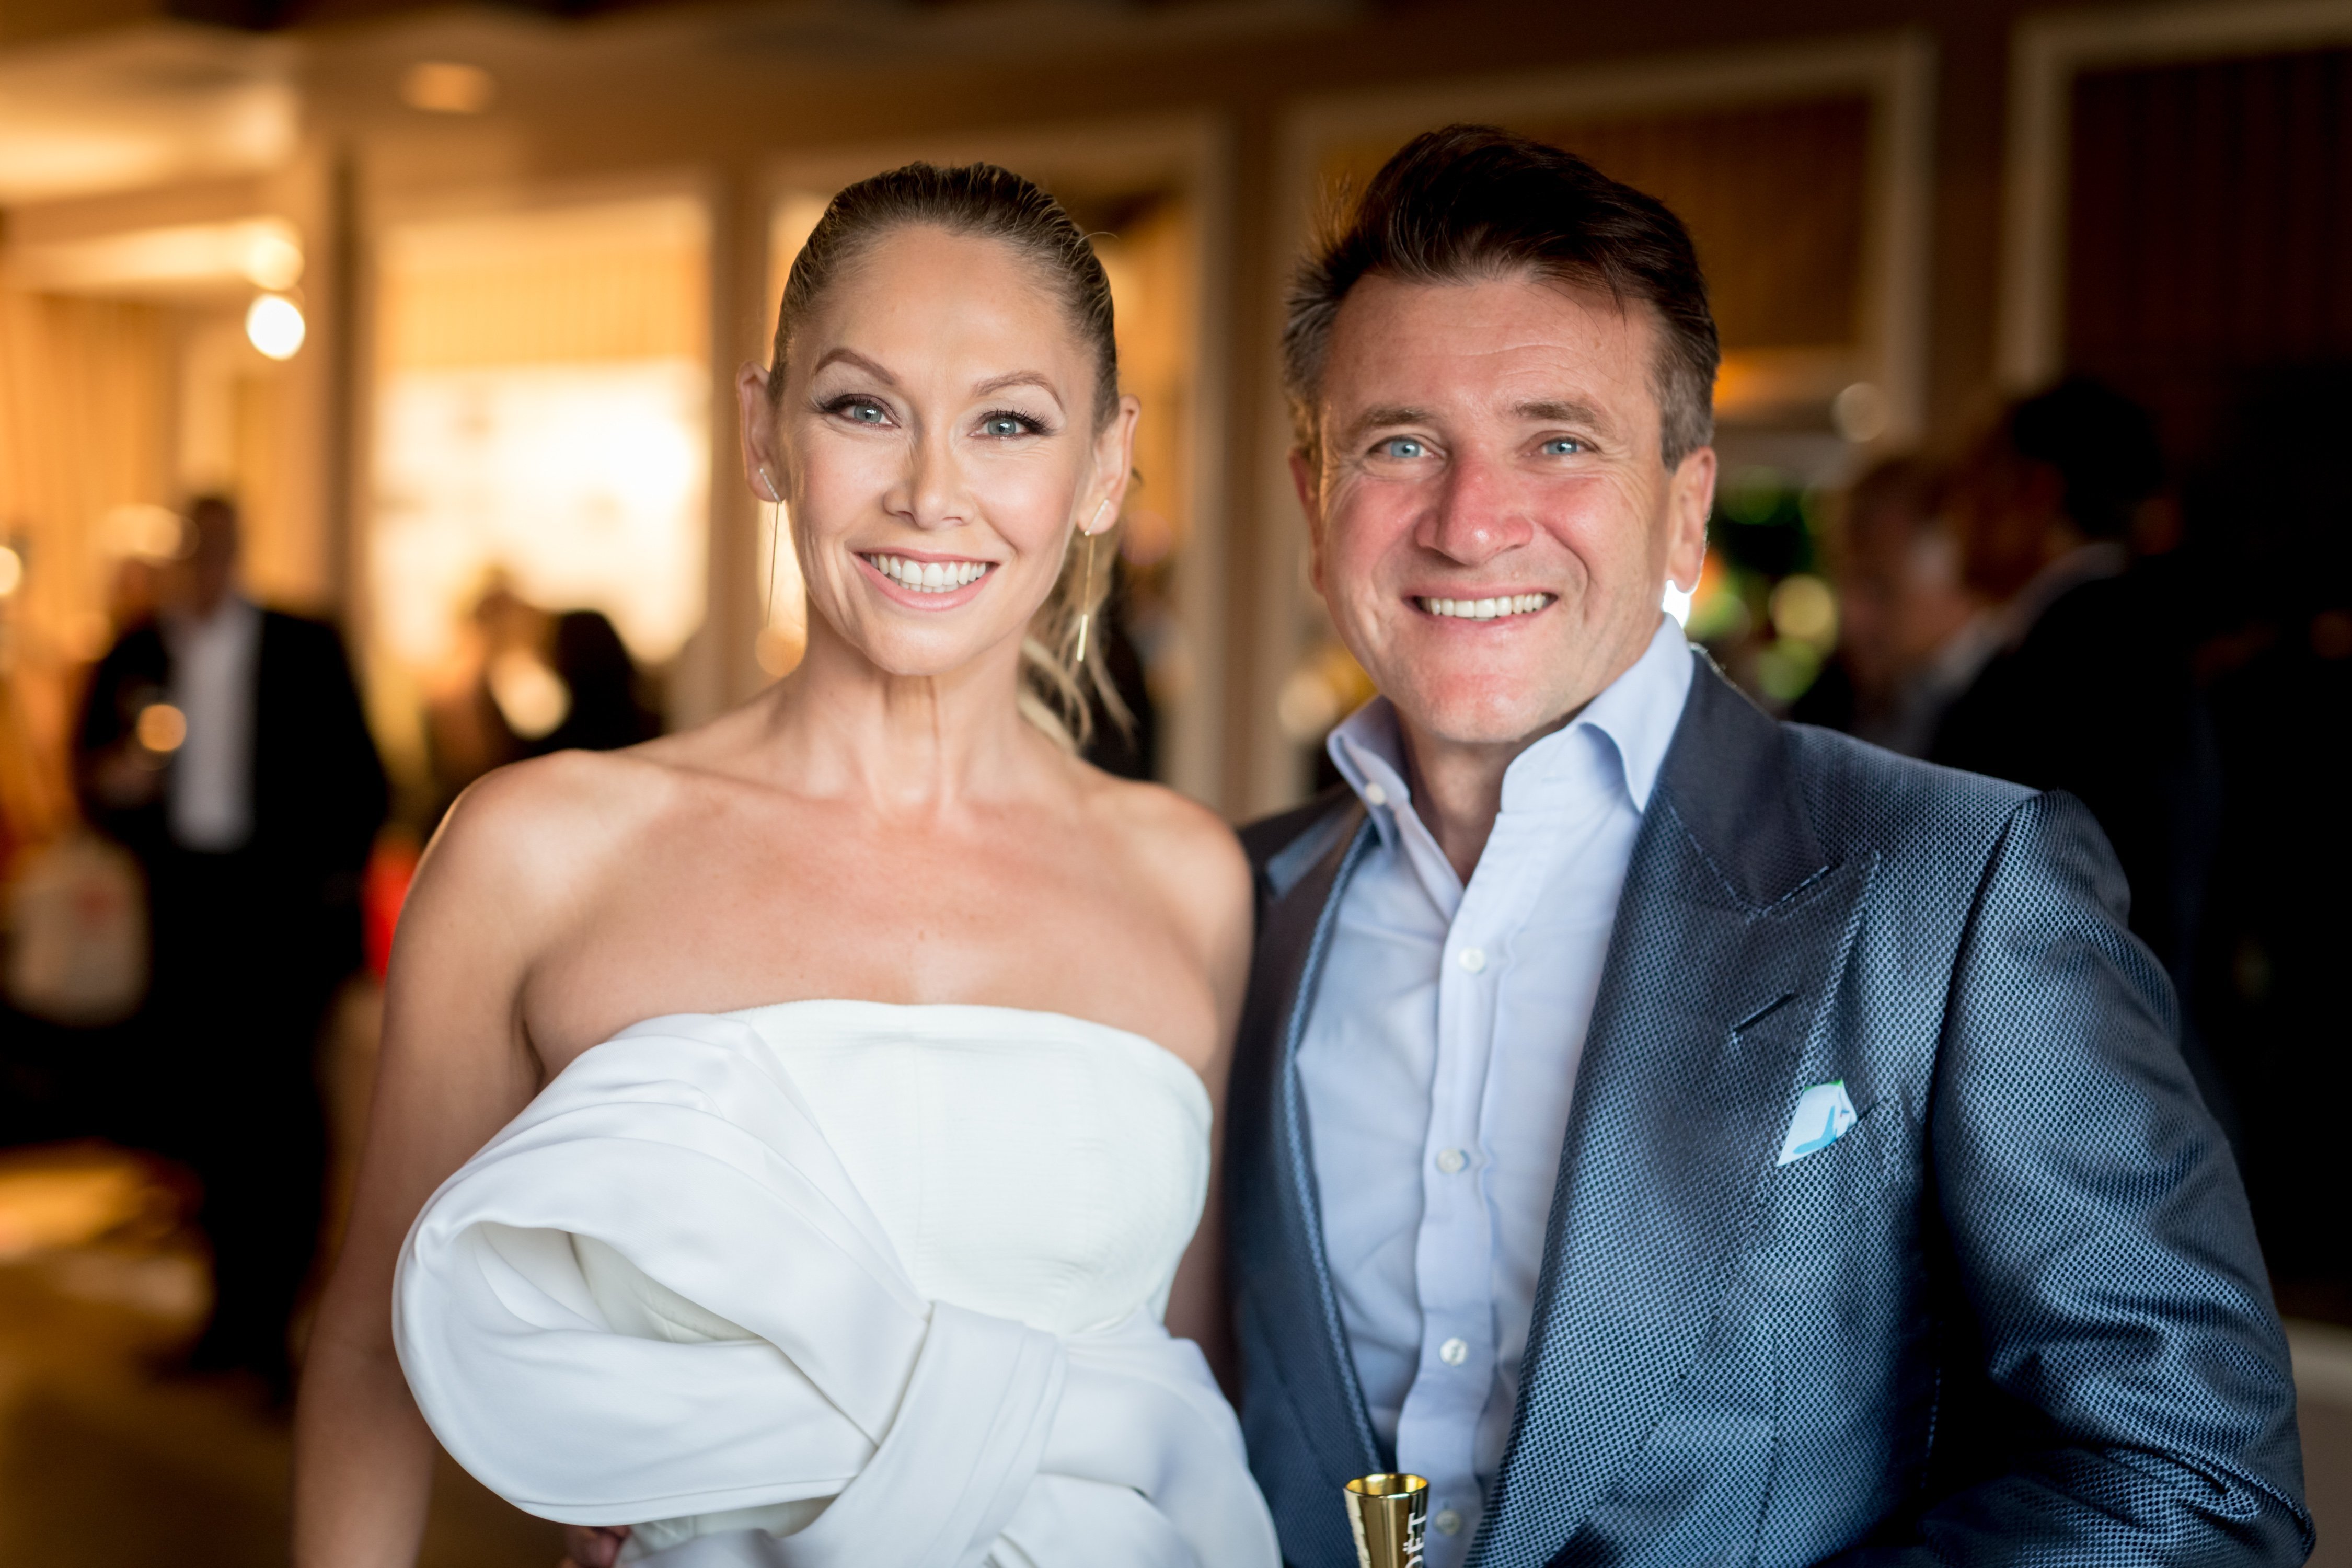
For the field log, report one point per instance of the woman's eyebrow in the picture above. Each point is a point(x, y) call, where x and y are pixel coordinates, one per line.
point(1035, 378)
point(851, 356)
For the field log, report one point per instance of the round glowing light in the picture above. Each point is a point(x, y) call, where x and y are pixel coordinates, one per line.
point(12, 570)
point(274, 325)
point(448, 86)
point(273, 262)
point(1805, 608)
point(1859, 412)
point(160, 727)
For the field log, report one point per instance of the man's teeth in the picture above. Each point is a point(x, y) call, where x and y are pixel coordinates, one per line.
point(928, 576)
point(1485, 609)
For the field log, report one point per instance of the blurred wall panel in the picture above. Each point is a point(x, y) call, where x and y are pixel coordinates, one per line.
point(2211, 227)
point(86, 428)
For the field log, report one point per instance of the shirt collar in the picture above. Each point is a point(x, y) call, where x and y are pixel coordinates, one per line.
point(1636, 714)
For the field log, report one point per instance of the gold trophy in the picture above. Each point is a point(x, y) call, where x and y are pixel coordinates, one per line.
point(1388, 1514)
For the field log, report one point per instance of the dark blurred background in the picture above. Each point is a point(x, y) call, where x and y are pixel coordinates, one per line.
point(365, 425)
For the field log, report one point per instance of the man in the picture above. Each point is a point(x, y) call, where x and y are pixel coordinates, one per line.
point(225, 745)
point(1680, 1137)
point(1911, 635)
point(2090, 690)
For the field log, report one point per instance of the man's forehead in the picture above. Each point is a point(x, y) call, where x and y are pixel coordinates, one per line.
point(1515, 344)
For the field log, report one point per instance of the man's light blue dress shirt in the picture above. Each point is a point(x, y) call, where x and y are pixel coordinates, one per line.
point(1441, 1058)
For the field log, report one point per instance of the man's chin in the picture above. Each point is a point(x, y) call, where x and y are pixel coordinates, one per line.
point(1479, 717)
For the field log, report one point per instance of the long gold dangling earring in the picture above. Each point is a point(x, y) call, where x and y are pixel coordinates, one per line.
point(775, 533)
point(1087, 586)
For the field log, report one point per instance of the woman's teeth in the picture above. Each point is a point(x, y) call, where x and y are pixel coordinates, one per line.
point(928, 576)
point(1485, 609)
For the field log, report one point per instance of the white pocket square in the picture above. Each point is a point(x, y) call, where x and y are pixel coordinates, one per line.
point(1823, 1113)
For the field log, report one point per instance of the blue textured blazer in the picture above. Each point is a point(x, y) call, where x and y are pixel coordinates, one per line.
point(2015, 1315)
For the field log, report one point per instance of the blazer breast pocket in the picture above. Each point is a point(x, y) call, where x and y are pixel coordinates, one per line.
point(1845, 1209)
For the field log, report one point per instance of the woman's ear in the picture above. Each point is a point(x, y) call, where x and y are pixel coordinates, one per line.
point(763, 467)
point(1114, 462)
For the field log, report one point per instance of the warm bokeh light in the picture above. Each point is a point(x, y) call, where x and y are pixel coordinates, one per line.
point(448, 86)
point(1803, 607)
point(272, 260)
point(274, 325)
point(162, 728)
point(12, 570)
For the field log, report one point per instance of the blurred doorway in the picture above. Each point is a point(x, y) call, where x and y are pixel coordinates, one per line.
point(541, 443)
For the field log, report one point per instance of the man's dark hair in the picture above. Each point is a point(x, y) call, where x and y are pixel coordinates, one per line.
point(2102, 445)
point(1470, 203)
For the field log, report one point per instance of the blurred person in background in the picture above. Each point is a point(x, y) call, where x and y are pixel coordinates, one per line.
point(467, 729)
point(605, 707)
point(224, 744)
point(2089, 688)
point(1912, 635)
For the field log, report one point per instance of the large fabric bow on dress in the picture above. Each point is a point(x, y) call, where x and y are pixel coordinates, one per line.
point(951, 1437)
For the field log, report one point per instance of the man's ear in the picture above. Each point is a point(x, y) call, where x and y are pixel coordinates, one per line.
point(1690, 500)
point(1306, 479)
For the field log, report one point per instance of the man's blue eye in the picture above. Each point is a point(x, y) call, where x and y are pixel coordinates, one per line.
point(1401, 447)
point(1564, 446)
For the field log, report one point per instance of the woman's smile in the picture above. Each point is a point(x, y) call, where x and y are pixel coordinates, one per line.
point(928, 582)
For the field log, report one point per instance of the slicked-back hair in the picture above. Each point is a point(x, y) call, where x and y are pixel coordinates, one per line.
point(1472, 202)
point(986, 202)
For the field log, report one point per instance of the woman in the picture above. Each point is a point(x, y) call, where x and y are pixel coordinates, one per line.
point(870, 1040)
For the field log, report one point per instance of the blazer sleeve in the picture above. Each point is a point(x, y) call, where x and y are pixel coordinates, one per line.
point(2134, 1400)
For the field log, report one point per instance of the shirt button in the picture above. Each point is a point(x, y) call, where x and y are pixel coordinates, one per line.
point(1454, 1352)
point(1375, 795)
point(1451, 1161)
point(1448, 1522)
point(1473, 959)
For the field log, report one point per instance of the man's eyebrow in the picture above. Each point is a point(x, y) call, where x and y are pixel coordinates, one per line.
point(1382, 415)
point(851, 356)
point(1565, 413)
point(1036, 378)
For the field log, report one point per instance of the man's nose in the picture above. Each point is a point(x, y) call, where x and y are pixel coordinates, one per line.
point(1478, 515)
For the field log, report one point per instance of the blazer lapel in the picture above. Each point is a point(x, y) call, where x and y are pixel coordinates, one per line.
point(1279, 1234)
point(1730, 933)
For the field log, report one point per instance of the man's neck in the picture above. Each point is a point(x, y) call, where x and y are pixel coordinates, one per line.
point(1458, 788)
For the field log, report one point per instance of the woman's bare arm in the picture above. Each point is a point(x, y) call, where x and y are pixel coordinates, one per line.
point(1209, 878)
point(455, 1067)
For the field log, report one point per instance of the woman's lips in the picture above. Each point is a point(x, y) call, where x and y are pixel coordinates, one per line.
point(935, 584)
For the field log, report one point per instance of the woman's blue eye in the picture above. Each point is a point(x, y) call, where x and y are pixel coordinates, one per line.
point(866, 413)
point(1562, 446)
point(1001, 425)
point(1401, 447)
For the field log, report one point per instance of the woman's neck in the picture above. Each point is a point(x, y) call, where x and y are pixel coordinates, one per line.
point(838, 725)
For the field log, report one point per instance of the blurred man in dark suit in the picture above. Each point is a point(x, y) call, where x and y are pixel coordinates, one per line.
point(224, 744)
point(2091, 690)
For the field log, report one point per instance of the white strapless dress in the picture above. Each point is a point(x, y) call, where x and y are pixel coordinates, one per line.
point(834, 1283)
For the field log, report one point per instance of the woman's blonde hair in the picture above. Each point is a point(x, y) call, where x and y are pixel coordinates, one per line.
point(1058, 694)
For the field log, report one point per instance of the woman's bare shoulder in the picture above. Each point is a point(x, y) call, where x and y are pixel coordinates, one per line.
point(531, 837)
point(1192, 855)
